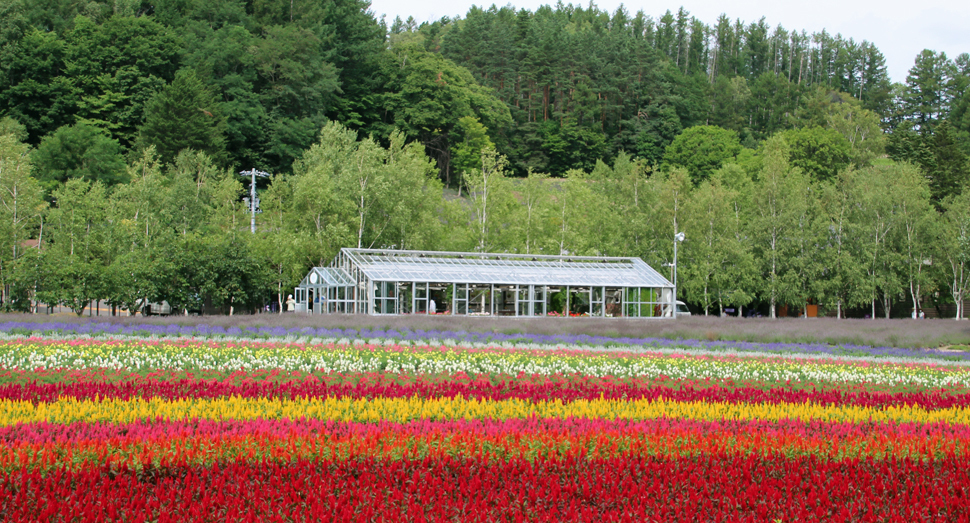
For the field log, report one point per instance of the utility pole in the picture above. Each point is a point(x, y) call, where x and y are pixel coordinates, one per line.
point(252, 201)
point(679, 237)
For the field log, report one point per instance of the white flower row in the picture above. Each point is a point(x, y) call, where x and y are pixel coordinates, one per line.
point(357, 359)
point(432, 342)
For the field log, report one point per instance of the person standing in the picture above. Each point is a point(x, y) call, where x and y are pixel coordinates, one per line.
point(432, 306)
point(290, 304)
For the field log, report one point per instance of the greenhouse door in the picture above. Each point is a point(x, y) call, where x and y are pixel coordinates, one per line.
point(538, 293)
point(597, 297)
point(419, 303)
point(460, 299)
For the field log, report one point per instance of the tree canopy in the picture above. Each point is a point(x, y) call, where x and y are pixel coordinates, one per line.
point(799, 171)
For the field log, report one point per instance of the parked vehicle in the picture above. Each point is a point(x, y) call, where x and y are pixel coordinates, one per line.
point(151, 309)
point(682, 310)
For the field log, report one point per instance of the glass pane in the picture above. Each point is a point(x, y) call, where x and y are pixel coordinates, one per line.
point(522, 300)
point(596, 305)
point(404, 297)
point(421, 298)
point(538, 300)
point(614, 301)
point(476, 300)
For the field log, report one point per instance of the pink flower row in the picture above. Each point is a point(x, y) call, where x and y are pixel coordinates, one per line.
point(44, 433)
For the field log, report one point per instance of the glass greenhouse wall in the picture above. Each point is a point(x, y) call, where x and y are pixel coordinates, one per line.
point(380, 281)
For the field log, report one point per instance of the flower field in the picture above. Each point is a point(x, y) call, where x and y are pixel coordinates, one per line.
point(123, 428)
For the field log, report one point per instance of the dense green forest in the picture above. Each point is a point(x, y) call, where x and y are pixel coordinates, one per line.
point(798, 170)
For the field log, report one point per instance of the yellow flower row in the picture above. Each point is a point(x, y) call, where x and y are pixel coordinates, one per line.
point(68, 410)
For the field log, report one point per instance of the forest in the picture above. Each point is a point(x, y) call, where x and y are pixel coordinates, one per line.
point(798, 171)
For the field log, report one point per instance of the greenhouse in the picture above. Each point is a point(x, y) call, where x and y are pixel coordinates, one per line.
point(381, 281)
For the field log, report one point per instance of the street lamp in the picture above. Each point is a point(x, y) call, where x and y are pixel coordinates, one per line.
point(252, 201)
point(679, 237)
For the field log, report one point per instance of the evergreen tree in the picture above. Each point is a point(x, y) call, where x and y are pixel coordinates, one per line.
point(927, 99)
point(184, 115)
point(949, 173)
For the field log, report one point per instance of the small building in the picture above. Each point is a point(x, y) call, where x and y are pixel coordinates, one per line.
point(381, 281)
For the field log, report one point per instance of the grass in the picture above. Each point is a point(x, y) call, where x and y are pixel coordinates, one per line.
point(907, 333)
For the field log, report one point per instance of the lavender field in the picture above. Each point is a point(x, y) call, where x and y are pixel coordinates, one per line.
point(946, 338)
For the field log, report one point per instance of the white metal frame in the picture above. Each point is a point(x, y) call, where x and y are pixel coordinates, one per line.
point(376, 281)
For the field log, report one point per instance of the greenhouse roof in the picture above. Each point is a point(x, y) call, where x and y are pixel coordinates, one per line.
point(507, 269)
point(327, 276)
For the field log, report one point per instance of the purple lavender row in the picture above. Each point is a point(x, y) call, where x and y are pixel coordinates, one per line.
point(106, 328)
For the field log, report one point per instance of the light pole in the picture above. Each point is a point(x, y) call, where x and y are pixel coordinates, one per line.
point(679, 237)
point(252, 200)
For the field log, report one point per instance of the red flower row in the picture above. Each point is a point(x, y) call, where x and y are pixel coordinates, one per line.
point(700, 488)
point(80, 445)
point(373, 386)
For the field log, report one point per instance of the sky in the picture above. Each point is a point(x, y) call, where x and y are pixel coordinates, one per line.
point(899, 29)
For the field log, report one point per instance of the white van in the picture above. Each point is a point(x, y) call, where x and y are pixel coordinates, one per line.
point(162, 309)
point(682, 310)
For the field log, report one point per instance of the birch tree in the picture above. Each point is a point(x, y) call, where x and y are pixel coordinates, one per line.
point(492, 201)
point(709, 220)
point(779, 202)
point(876, 215)
point(955, 248)
point(803, 279)
point(365, 184)
point(670, 193)
point(404, 209)
point(843, 273)
point(275, 242)
point(917, 231)
point(135, 215)
point(630, 189)
point(534, 197)
point(318, 206)
point(21, 210)
point(736, 281)
point(74, 259)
